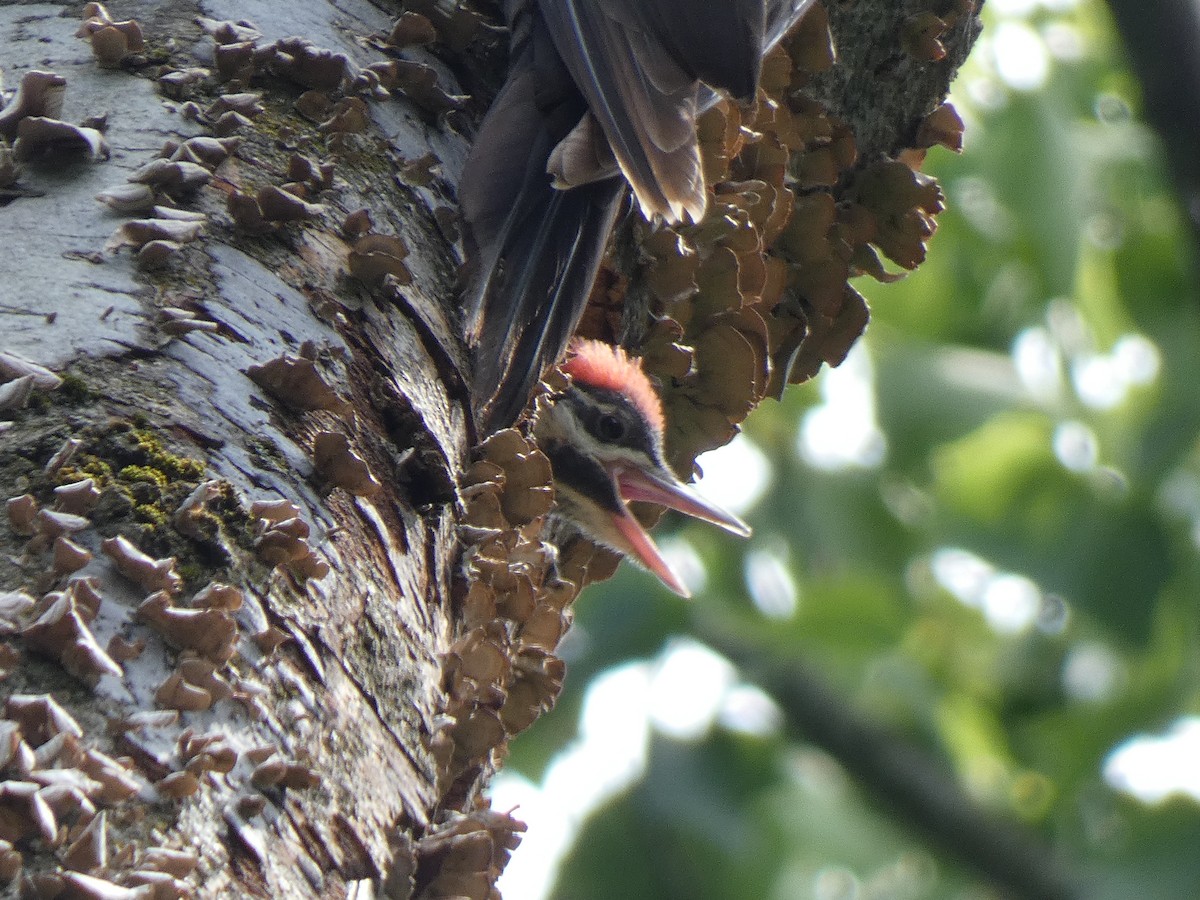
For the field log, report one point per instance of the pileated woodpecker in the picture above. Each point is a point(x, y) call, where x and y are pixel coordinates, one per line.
point(601, 95)
point(604, 439)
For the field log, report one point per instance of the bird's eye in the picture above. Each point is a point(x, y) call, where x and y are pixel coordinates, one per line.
point(610, 428)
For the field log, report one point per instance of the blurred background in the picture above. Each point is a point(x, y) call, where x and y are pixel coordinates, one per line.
point(958, 659)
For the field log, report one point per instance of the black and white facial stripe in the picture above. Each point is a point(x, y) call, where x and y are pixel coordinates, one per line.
point(612, 420)
point(577, 474)
point(592, 430)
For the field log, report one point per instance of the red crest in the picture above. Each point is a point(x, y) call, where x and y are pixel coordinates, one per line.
point(602, 365)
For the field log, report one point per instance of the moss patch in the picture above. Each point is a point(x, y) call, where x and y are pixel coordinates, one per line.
point(143, 483)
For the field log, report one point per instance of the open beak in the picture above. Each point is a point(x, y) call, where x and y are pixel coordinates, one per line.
point(643, 548)
point(665, 490)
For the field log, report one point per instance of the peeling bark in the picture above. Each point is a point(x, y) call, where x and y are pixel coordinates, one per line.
point(352, 692)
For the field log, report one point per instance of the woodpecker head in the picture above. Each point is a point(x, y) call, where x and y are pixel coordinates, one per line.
point(604, 438)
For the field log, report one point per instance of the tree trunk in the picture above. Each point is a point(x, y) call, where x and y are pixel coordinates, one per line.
point(269, 618)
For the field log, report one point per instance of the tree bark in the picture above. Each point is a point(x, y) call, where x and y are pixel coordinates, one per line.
point(269, 617)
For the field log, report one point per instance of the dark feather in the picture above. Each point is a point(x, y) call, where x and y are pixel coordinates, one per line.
point(643, 99)
point(533, 251)
point(719, 43)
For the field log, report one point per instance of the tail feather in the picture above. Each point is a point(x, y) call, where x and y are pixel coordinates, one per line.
point(533, 250)
point(536, 295)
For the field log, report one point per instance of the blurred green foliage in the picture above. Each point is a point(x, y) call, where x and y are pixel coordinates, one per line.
point(1035, 383)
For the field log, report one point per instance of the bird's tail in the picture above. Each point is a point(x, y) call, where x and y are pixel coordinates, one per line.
point(533, 251)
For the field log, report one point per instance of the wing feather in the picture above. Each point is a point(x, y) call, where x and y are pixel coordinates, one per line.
point(643, 100)
point(719, 43)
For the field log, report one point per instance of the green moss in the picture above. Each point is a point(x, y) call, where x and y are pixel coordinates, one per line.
point(143, 482)
point(145, 474)
point(170, 464)
point(157, 55)
point(192, 572)
point(206, 523)
point(86, 466)
point(232, 517)
point(74, 389)
point(149, 514)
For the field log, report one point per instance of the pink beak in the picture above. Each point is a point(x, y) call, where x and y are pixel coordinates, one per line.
point(649, 487)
